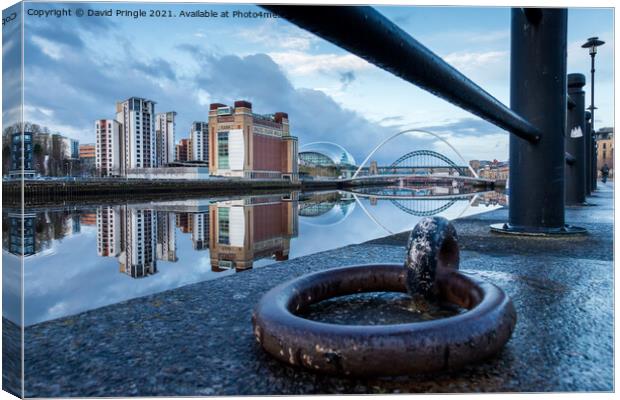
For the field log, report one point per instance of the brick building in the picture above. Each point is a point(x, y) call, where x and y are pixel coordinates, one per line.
point(249, 145)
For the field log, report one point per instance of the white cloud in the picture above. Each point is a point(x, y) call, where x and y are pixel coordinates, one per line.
point(204, 98)
point(29, 109)
point(300, 63)
point(495, 147)
point(467, 60)
point(273, 36)
point(8, 45)
point(48, 47)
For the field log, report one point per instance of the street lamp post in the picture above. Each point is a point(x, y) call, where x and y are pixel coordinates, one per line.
point(592, 45)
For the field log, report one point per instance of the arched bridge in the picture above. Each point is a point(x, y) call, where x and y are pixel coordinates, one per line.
point(425, 159)
point(418, 162)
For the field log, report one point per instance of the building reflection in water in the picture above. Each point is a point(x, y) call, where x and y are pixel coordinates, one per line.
point(166, 237)
point(235, 233)
point(327, 209)
point(21, 233)
point(200, 231)
point(198, 225)
point(130, 235)
point(39, 230)
point(245, 230)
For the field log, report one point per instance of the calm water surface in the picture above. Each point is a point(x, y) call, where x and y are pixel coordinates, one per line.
point(81, 258)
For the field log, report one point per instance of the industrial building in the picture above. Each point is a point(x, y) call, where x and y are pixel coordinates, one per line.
point(249, 145)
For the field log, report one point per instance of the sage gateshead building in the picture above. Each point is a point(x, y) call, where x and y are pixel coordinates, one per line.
point(320, 156)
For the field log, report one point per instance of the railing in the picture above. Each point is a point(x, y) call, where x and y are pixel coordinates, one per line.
point(538, 95)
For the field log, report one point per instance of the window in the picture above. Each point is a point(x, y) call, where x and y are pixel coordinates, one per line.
point(222, 150)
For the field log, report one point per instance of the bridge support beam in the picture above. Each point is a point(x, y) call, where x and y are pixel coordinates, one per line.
point(575, 174)
point(538, 93)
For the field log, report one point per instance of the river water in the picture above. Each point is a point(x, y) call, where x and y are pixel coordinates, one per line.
point(83, 257)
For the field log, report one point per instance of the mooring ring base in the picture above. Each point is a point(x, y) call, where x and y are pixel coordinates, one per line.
point(381, 350)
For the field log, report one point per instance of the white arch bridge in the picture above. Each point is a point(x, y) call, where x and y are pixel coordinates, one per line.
point(415, 155)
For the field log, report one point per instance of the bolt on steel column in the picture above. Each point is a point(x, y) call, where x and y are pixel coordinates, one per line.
point(575, 174)
point(538, 94)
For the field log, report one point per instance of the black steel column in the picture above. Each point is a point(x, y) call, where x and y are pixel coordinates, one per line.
point(538, 93)
point(594, 155)
point(589, 151)
point(575, 173)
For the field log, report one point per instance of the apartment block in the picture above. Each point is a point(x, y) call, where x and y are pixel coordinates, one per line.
point(164, 138)
point(108, 156)
point(137, 119)
point(183, 150)
point(199, 138)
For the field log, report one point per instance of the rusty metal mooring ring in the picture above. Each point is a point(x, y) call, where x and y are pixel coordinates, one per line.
point(397, 349)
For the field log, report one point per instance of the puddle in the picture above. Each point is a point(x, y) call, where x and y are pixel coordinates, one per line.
point(378, 308)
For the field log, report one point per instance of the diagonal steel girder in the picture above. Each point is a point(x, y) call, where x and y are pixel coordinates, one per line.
point(365, 32)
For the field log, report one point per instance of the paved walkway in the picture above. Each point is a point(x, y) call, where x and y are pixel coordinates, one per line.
point(197, 340)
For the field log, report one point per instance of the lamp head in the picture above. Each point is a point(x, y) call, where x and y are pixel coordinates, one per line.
point(592, 44)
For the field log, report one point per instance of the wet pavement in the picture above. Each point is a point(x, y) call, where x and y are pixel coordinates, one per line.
point(197, 339)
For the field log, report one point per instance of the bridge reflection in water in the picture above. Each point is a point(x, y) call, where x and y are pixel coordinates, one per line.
point(167, 244)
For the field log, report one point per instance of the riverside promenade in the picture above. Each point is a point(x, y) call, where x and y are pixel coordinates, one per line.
point(197, 339)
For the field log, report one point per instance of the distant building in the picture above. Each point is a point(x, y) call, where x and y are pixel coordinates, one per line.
point(170, 172)
point(137, 119)
point(88, 157)
point(88, 150)
point(75, 149)
point(199, 137)
point(474, 164)
point(164, 138)
point(108, 147)
point(42, 153)
point(330, 160)
point(182, 150)
point(21, 155)
point(605, 149)
point(249, 145)
point(62, 148)
point(496, 170)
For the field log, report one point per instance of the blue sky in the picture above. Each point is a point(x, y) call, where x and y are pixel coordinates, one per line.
point(76, 68)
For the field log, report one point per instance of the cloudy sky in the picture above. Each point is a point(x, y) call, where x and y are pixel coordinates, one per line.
point(77, 68)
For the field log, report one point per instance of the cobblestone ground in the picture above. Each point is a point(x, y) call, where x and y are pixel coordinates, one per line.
point(197, 340)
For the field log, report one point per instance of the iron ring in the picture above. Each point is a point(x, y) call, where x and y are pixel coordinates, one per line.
point(380, 350)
